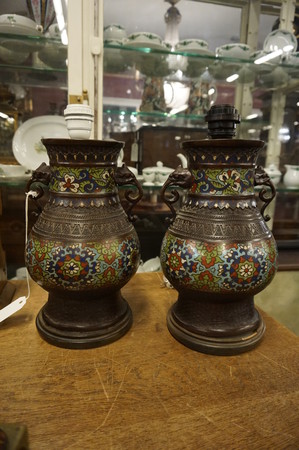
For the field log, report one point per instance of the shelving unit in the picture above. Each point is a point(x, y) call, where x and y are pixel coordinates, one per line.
point(32, 71)
point(115, 91)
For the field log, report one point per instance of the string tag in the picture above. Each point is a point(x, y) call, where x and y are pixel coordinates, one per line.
point(13, 307)
point(134, 152)
point(17, 304)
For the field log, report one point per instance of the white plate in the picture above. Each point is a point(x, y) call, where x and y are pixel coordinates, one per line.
point(27, 146)
point(278, 39)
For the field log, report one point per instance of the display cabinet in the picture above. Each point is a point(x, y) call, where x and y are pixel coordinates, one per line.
point(33, 84)
point(156, 97)
point(153, 97)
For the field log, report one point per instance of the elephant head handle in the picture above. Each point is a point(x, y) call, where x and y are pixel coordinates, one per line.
point(41, 176)
point(181, 177)
point(124, 176)
point(261, 178)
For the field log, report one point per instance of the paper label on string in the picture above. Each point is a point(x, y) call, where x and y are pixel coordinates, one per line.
point(12, 308)
point(134, 152)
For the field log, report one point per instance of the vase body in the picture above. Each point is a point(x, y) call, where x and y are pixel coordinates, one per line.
point(199, 101)
point(218, 252)
point(82, 248)
point(153, 96)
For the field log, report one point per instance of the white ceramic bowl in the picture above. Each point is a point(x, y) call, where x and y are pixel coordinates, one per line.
point(157, 174)
point(277, 77)
point(236, 50)
point(162, 173)
point(194, 65)
point(53, 31)
point(54, 56)
point(115, 32)
point(149, 174)
point(145, 39)
point(20, 25)
point(197, 46)
point(116, 42)
point(293, 60)
point(15, 23)
point(13, 57)
point(114, 60)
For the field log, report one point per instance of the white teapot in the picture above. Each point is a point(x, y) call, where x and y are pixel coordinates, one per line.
point(183, 160)
point(120, 163)
point(156, 174)
point(291, 177)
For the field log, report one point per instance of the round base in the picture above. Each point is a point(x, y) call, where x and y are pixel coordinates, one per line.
point(215, 345)
point(84, 339)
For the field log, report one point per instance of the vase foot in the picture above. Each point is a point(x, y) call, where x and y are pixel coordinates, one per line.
point(84, 337)
point(226, 345)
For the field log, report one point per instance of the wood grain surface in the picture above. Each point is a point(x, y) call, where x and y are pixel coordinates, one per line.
point(147, 391)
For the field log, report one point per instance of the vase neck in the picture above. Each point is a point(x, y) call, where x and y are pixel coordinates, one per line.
point(82, 180)
point(223, 168)
point(223, 181)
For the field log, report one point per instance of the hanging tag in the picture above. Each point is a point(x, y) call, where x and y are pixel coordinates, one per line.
point(134, 152)
point(13, 307)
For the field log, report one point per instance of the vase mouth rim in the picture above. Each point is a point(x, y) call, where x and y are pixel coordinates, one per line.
point(71, 143)
point(226, 143)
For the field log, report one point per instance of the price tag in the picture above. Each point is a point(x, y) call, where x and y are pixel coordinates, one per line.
point(134, 152)
point(13, 307)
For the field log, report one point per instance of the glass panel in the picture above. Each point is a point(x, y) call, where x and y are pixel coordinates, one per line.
point(33, 66)
point(156, 95)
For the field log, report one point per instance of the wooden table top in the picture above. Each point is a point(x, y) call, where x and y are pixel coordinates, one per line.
point(147, 391)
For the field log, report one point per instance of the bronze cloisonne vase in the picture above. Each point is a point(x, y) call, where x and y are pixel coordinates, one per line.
point(83, 247)
point(218, 251)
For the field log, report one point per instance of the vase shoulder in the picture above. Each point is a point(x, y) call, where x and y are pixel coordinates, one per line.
point(237, 224)
point(82, 152)
point(224, 143)
point(82, 224)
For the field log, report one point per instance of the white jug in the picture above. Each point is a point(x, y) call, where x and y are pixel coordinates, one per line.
point(291, 177)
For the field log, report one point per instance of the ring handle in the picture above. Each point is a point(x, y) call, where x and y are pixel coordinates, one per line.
point(42, 175)
point(261, 178)
point(180, 177)
point(124, 176)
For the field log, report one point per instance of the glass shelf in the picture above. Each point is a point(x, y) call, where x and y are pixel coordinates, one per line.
point(22, 42)
point(33, 77)
point(159, 118)
point(156, 62)
point(131, 75)
point(33, 61)
point(166, 118)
